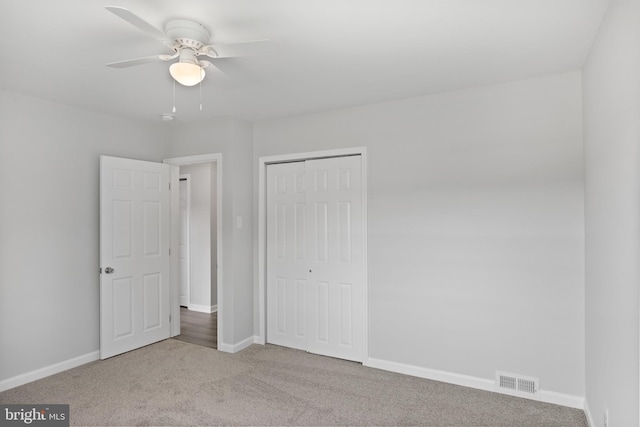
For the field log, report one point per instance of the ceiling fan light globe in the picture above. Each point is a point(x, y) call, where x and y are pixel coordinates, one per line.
point(186, 74)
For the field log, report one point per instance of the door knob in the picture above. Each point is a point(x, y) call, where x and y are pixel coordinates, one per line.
point(108, 270)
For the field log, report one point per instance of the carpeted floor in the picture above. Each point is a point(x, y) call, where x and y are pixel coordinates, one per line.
point(173, 383)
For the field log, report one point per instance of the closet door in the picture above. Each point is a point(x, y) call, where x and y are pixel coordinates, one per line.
point(287, 263)
point(335, 301)
point(315, 284)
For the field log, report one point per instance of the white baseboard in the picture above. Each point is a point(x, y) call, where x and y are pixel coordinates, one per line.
point(469, 381)
point(234, 348)
point(48, 371)
point(203, 308)
point(587, 413)
point(432, 374)
point(562, 399)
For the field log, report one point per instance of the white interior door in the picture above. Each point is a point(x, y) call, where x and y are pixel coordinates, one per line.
point(315, 278)
point(134, 254)
point(185, 276)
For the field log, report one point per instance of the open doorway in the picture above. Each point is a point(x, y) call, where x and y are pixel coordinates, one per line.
point(196, 283)
point(198, 254)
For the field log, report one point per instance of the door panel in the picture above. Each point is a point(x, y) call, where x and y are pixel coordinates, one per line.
point(153, 301)
point(134, 242)
point(315, 279)
point(286, 256)
point(122, 307)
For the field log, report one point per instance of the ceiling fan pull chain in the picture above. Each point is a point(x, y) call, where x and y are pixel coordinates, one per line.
point(201, 72)
point(174, 97)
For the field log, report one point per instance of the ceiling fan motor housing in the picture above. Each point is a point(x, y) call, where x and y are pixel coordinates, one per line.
point(187, 34)
point(188, 55)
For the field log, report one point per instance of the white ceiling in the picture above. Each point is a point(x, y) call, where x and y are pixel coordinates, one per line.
point(328, 53)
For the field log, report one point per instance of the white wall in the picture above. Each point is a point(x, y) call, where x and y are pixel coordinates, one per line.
point(612, 190)
point(200, 234)
point(49, 224)
point(476, 234)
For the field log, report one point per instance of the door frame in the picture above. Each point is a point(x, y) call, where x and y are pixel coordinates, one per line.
point(187, 178)
point(262, 232)
point(175, 238)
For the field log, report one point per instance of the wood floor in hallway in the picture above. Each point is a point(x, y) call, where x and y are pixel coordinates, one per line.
point(198, 328)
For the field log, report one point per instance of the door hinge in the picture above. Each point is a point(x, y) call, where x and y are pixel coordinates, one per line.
point(169, 186)
point(169, 318)
point(169, 251)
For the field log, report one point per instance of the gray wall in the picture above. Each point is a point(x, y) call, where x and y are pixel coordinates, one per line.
point(612, 159)
point(49, 224)
point(476, 233)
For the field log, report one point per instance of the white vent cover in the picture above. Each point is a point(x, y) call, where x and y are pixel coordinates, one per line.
point(517, 385)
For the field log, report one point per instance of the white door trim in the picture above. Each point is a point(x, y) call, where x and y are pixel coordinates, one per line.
point(175, 242)
point(187, 177)
point(262, 231)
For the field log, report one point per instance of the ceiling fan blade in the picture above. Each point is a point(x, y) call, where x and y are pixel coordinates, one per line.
point(137, 22)
point(232, 50)
point(212, 68)
point(140, 61)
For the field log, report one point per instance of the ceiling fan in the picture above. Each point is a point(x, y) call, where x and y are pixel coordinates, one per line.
point(188, 40)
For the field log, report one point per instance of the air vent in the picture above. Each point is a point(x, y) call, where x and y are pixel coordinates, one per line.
point(517, 385)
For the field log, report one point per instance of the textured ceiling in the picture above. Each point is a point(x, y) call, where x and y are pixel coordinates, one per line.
point(328, 53)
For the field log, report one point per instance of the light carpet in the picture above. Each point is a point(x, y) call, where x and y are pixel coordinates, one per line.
point(173, 383)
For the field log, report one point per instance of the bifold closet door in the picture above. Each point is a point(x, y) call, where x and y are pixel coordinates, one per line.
point(287, 262)
point(315, 280)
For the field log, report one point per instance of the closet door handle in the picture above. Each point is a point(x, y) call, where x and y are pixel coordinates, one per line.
point(109, 270)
